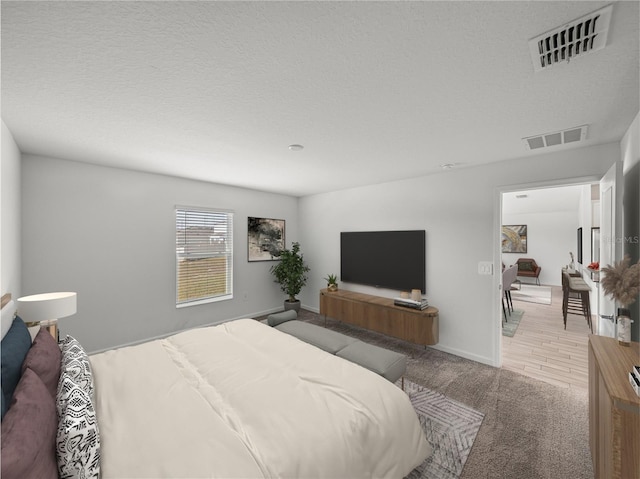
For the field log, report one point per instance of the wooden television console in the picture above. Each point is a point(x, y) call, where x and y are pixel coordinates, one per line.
point(381, 315)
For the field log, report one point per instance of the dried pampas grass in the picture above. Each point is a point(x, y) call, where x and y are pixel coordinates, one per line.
point(621, 281)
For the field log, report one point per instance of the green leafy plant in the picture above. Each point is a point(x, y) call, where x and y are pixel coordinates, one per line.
point(332, 282)
point(331, 279)
point(291, 271)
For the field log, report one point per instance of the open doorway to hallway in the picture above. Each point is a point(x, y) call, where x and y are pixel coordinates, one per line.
point(555, 228)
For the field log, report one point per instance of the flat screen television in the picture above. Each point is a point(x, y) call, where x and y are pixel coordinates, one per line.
point(384, 259)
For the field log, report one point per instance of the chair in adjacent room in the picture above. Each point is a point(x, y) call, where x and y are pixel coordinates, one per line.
point(528, 268)
point(509, 278)
point(575, 298)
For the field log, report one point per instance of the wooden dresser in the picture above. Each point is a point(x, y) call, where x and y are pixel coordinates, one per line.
point(614, 409)
point(381, 315)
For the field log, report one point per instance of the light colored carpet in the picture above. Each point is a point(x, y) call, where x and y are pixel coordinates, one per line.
point(532, 294)
point(531, 429)
point(510, 326)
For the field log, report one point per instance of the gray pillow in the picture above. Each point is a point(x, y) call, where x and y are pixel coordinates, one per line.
point(279, 318)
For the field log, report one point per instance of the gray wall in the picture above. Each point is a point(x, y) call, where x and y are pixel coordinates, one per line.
point(11, 218)
point(631, 208)
point(550, 238)
point(458, 210)
point(109, 234)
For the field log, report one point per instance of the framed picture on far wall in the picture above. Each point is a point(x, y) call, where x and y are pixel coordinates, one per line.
point(265, 238)
point(514, 238)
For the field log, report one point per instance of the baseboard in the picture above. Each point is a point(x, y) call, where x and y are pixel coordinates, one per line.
point(465, 354)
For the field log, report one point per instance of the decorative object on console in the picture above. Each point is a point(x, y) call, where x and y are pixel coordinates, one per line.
point(290, 272)
point(265, 238)
point(514, 238)
point(622, 283)
point(332, 282)
point(634, 379)
point(45, 309)
point(624, 326)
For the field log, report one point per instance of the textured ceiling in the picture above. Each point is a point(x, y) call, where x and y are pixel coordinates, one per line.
point(375, 91)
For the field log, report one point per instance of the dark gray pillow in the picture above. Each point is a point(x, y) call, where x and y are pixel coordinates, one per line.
point(279, 318)
point(13, 349)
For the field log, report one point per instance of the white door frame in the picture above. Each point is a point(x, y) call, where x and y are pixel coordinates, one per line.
point(497, 250)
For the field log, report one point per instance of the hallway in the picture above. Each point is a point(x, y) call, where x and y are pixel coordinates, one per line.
point(543, 349)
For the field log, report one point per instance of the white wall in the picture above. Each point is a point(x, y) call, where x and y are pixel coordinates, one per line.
point(550, 238)
point(11, 221)
point(109, 234)
point(458, 209)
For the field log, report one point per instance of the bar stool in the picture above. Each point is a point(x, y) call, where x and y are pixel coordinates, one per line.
point(575, 298)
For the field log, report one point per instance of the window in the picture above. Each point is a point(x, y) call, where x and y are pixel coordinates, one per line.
point(204, 256)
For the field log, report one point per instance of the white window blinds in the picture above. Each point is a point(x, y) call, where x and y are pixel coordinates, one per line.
point(204, 255)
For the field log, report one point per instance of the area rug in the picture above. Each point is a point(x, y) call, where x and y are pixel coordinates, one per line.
point(513, 321)
point(532, 294)
point(449, 426)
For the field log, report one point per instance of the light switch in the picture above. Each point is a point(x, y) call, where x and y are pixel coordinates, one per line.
point(485, 268)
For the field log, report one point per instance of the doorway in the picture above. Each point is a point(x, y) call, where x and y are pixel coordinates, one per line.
point(551, 221)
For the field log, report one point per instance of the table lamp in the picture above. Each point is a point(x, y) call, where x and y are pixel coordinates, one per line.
point(45, 309)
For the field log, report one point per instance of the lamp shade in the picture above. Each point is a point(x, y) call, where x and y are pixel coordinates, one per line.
point(46, 306)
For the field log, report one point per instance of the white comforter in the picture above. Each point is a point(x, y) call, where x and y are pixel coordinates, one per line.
point(244, 400)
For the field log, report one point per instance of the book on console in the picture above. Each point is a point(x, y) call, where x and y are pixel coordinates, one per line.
point(409, 303)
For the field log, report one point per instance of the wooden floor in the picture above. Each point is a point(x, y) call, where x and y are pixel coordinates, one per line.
point(543, 349)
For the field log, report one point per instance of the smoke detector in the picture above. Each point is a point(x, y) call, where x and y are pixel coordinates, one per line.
point(577, 38)
point(556, 138)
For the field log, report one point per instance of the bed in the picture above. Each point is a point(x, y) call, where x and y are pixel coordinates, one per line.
point(237, 400)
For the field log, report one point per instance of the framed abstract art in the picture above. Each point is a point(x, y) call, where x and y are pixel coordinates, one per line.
point(514, 238)
point(265, 238)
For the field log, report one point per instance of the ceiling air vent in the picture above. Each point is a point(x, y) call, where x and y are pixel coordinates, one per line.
point(577, 38)
point(556, 138)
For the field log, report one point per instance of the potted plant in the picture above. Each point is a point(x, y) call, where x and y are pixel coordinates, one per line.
point(332, 282)
point(290, 273)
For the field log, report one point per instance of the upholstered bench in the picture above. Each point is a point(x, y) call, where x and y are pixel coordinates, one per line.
point(388, 364)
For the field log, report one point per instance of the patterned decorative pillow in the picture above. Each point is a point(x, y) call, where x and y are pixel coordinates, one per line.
point(525, 266)
point(75, 364)
point(78, 438)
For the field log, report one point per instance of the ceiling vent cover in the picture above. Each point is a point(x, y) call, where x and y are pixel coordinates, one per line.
point(556, 138)
point(577, 38)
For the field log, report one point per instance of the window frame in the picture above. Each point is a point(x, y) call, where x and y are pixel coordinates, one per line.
point(226, 253)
